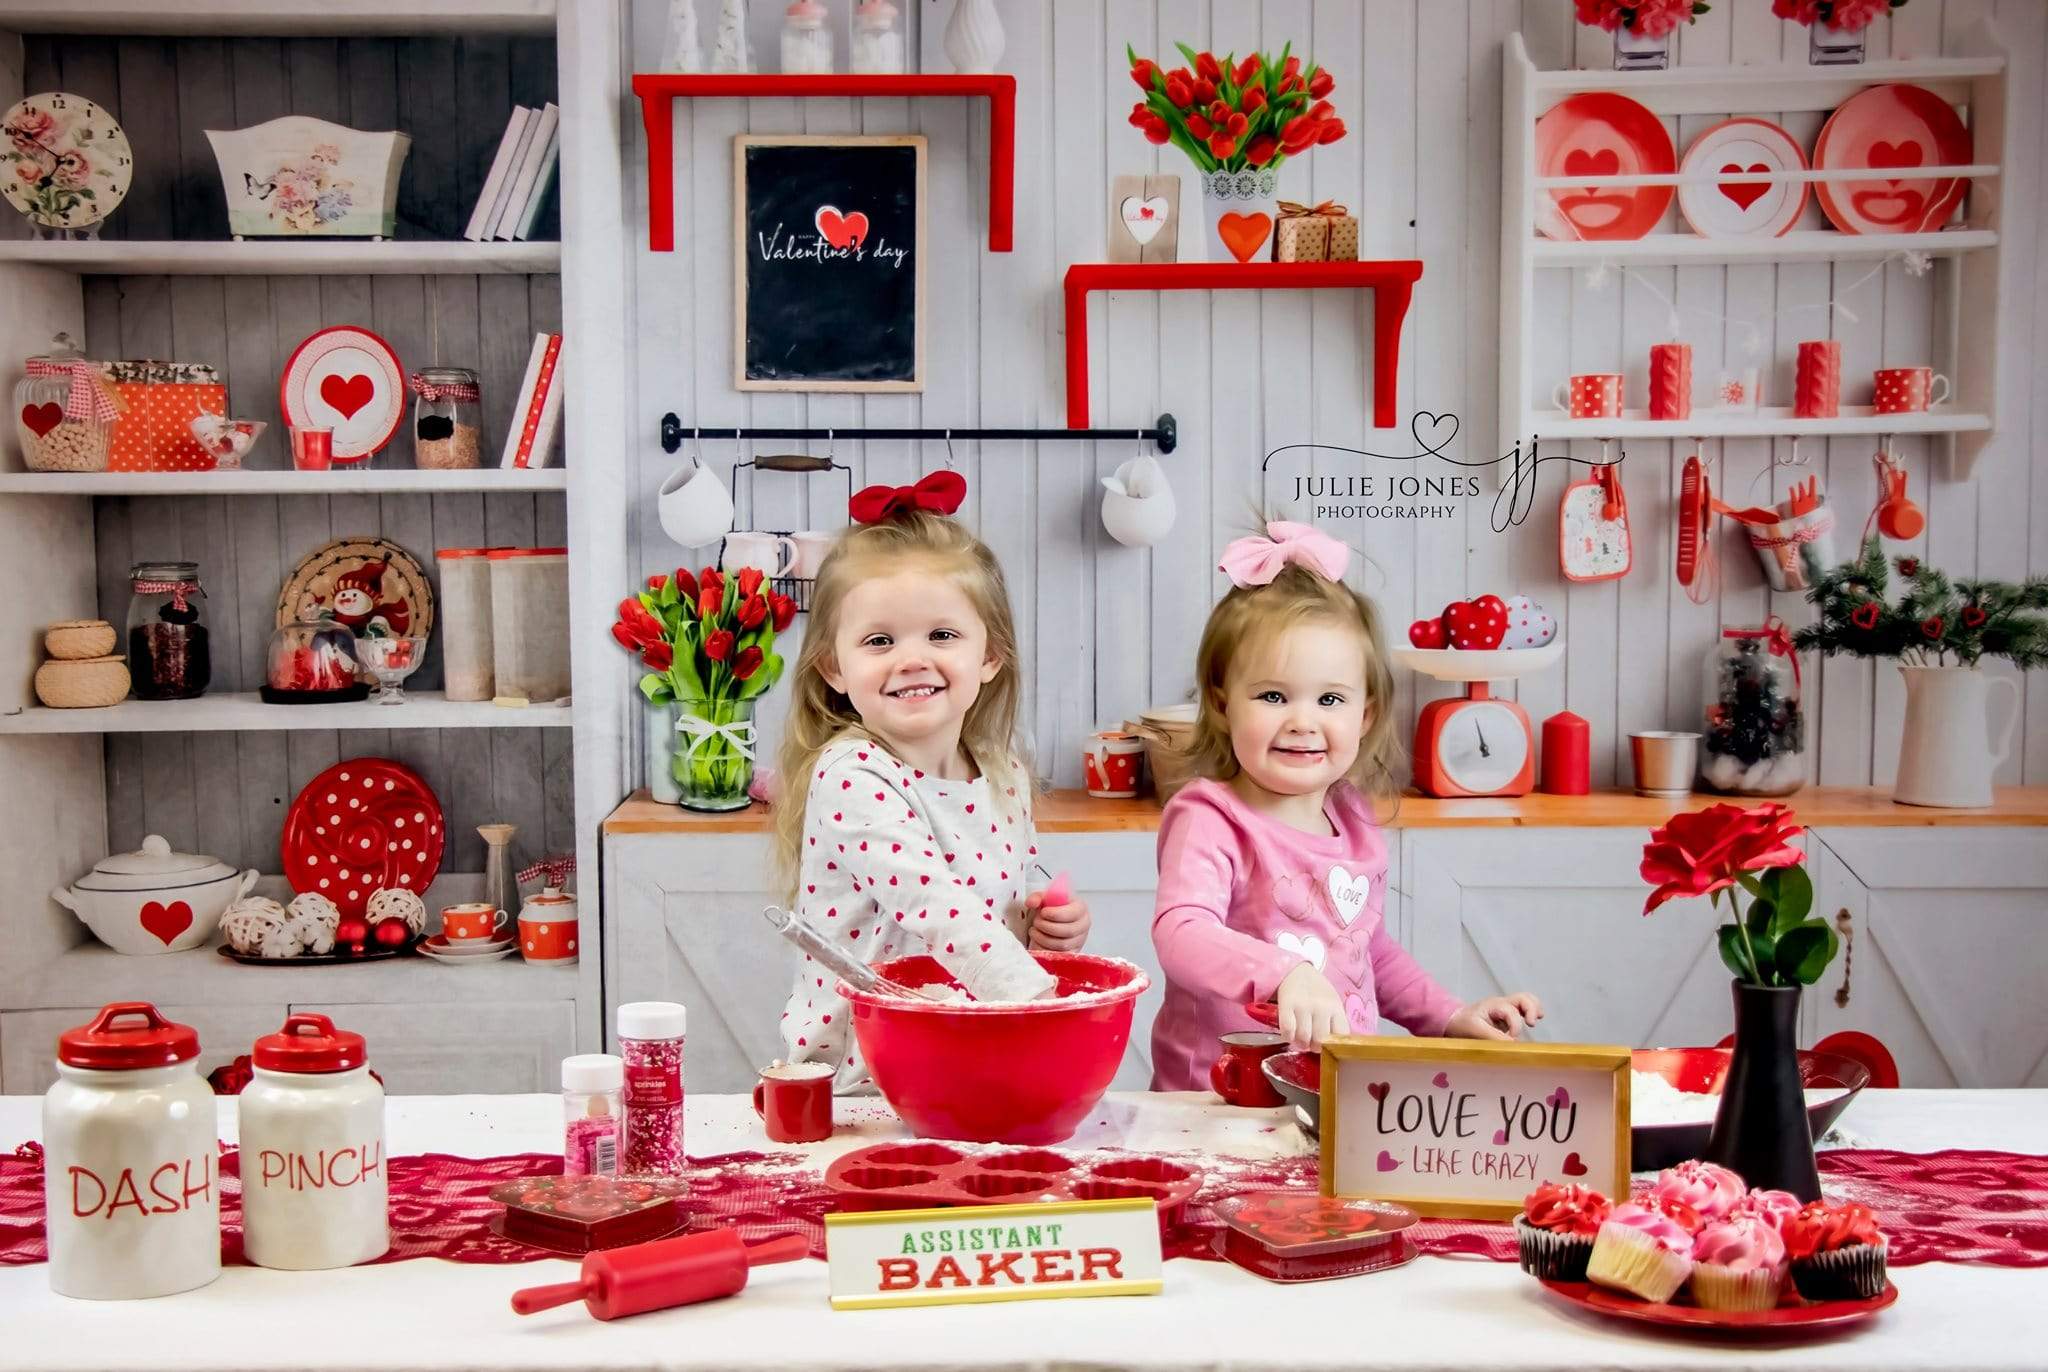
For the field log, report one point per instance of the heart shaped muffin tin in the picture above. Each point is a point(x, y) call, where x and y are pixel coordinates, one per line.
point(906, 1176)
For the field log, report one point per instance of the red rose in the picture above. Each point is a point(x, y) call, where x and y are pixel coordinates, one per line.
point(1332, 130)
point(1157, 130)
point(1261, 149)
point(747, 663)
point(1703, 852)
point(658, 656)
point(753, 612)
point(1222, 146)
point(783, 609)
point(1321, 83)
point(718, 646)
point(1200, 127)
point(1206, 65)
point(1246, 70)
point(1864, 616)
point(1180, 90)
point(750, 581)
point(1972, 617)
point(686, 585)
point(1144, 71)
point(1932, 626)
point(1254, 99)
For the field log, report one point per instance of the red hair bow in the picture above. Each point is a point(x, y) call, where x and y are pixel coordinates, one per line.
point(941, 493)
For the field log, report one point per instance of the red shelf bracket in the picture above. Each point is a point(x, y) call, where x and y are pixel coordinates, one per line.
point(1392, 285)
point(658, 92)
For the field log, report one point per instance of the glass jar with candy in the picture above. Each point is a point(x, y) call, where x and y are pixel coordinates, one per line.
point(169, 657)
point(447, 419)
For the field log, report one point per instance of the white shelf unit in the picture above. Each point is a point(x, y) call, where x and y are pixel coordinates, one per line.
point(520, 1018)
point(236, 711)
point(1967, 255)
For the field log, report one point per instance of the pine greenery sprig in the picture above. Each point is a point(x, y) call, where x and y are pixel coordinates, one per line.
point(1934, 621)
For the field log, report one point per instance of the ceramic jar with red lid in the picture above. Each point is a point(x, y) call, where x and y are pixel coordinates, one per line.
point(314, 1187)
point(131, 1174)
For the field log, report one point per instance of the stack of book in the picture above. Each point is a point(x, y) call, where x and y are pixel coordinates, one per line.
point(519, 178)
point(530, 437)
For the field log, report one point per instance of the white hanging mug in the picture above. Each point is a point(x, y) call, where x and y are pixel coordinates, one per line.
point(694, 506)
point(774, 554)
point(1137, 504)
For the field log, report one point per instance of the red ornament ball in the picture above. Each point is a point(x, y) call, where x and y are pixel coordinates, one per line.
point(351, 934)
point(392, 933)
point(1427, 633)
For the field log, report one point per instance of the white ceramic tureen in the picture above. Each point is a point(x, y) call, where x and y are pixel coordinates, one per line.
point(154, 900)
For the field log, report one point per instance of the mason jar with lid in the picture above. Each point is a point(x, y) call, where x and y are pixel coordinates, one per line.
point(168, 654)
point(63, 411)
point(1754, 739)
point(314, 1187)
point(131, 1177)
point(447, 418)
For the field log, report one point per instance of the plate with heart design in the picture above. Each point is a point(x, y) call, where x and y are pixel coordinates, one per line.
point(1599, 134)
point(346, 379)
point(1743, 209)
point(1899, 127)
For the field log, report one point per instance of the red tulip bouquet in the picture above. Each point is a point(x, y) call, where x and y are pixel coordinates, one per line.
point(1725, 848)
point(1227, 115)
point(708, 642)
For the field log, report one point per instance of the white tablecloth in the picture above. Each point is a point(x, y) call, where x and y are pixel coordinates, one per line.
point(1458, 1316)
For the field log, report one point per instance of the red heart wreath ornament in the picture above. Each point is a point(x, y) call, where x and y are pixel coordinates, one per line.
point(941, 493)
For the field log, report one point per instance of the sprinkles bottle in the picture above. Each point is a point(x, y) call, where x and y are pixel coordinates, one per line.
point(651, 1042)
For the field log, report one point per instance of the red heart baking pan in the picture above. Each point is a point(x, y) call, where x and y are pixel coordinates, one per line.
point(910, 1176)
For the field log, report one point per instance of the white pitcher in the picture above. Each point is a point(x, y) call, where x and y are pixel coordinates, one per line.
point(1944, 758)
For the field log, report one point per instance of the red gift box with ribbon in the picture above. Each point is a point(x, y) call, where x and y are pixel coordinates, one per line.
point(163, 398)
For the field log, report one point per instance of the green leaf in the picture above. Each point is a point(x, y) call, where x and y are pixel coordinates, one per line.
point(670, 597)
point(1791, 895)
point(1187, 52)
point(1763, 948)
point(1805, 952)
point(656, 688)
point(1735, 953)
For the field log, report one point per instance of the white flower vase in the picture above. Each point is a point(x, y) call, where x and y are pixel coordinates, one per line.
point(1638, 52)
point(1945, 758)
point(1245, 198)
point(974, 36)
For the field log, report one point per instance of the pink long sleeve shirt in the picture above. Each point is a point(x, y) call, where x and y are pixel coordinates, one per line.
point(1244, 899)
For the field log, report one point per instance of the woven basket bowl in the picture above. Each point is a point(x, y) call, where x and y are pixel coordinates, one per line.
point(75, 685)
point(75, 640)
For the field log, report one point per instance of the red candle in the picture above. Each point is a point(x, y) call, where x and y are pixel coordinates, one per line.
point(1567, 768)
point(1817, 384)
point(1670, 380)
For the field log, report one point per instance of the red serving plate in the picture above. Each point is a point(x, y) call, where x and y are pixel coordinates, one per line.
point(1899, 127)
point(577, 1215)
point(359, 826)
point(1597, 134)
point(1294, 1236)
point(911, 1176)
point(1793, 1313)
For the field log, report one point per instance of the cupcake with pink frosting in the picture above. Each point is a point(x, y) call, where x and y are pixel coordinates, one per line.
point(1774, 1207)
point(1710, 1191)
point(1738, 1264)
point(1644, 1250)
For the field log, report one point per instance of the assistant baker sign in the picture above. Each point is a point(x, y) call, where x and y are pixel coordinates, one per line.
point(993, 1253)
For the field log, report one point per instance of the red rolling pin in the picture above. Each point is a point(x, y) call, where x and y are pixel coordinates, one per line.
point(657, 1275)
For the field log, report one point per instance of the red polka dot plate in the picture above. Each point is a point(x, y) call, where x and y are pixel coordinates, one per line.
point(360, 826)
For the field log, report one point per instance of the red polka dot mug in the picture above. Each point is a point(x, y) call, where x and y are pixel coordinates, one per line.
point(472, 920)
point(1590, 395)
point(1907, 390)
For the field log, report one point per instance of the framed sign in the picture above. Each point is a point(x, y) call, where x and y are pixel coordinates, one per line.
point(1464, 1128)
point(828, 263)
point(968, 1254)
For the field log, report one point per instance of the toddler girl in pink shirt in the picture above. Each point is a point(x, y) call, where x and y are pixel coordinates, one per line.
point(1272, 869)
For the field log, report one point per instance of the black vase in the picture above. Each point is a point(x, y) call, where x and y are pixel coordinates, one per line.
point(1761, 1131)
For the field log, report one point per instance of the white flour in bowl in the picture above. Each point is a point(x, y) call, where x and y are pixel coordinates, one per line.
point(1653, 1100)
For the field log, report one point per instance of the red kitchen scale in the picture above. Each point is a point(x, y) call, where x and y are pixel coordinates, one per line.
point(1476, 744)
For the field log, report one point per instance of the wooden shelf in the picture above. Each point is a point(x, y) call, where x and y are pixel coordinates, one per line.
point(231, 711)
point(1076, 812)
point(1808, 245)
point(281, 17)
point(658, 92)
point(1392, 284)
point(1768, 421)
point(285, 257)
point(397, 481)
point(1783, 87)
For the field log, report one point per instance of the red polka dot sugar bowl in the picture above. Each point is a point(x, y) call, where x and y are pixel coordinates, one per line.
point(547, 926)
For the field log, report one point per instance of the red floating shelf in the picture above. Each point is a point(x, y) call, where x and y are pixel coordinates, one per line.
point(658, 91)
point(1392, 284)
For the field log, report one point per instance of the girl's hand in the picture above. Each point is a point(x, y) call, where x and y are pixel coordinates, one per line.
point(1496, 1017)
point(1310, 1008)
point(1057, 928)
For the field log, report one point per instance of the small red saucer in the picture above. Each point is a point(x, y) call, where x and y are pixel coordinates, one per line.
point(1792, 1313)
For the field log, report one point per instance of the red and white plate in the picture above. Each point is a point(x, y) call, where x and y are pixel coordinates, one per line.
point(1743, 209)
point(345, 379)
point(1791, 1315)
point(360, 826)
point(1597, 134)
point(1892, 126)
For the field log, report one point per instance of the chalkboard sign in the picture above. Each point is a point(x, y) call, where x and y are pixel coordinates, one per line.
point(829, 263)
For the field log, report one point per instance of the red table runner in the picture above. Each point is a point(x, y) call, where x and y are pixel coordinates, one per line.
point(1952, 1206)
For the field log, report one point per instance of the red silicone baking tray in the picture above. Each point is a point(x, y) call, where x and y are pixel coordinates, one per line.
point(1290, 1236)
point(908, 1176)
point(578, 1215)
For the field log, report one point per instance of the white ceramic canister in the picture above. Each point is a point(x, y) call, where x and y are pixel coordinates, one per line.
point(314, 1187)
point(131, 1169)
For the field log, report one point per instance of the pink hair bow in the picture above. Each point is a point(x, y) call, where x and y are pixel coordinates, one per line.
point(1256, 561)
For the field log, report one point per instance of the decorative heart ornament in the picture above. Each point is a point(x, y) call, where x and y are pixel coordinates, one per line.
point(1307, 947)
point(1144, 218)
point(841, 230)
point(1529, 624)
point(1347, 894)
point(347, 394)
point(40, 419)
point(1427, 633)
point(1476, 625)
point(1244, 234)
point(166, 922)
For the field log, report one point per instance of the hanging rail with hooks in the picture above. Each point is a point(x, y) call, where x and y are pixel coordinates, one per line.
point(1165, 432)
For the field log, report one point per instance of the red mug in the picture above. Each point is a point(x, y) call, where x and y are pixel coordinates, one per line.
point(1236, 1076)
point(312, 449)
point(1590, 395)
point(1906, 390)
point(794, 1101)
point(475, 920)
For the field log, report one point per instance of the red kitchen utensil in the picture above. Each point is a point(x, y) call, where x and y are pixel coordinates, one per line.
point(1592, 527)
point(1698, 569)
point(665, 1273)
point(360, 826)
point(1901, 127)
point(1599, 134)
point(1895, 515)
point(910, 1176)
point(1791, 1313)
point(1265, 1012)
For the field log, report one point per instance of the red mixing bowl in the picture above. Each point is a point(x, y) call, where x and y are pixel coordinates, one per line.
point(998, 1073)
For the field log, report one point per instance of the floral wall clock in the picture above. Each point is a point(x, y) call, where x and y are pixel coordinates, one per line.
point(66, 163)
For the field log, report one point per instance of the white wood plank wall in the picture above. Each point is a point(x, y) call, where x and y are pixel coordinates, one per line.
point(1108, 630)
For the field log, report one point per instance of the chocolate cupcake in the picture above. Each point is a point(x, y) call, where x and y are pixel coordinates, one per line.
point(1554, 1233)
point(1837, 1252)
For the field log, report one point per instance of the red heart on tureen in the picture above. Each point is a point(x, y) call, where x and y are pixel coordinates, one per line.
point(166, 922)
point(1476, 625)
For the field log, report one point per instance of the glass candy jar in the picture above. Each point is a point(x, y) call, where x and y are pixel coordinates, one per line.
point(1754, 741)
point(168, 654)
point(63, 411)
point(447, 419)
point(806, 42)
point(877, 38)
point(312, 662)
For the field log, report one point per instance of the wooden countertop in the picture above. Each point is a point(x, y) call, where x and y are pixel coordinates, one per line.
point(1076, 812)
